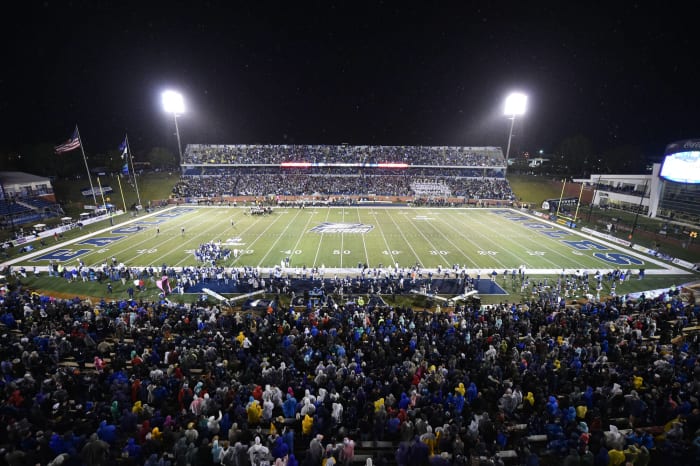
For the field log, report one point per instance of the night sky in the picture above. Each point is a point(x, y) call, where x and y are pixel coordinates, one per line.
point(328, 72)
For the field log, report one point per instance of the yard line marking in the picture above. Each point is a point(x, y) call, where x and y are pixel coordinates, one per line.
point(216, 226)
point(408, 243)
point(342, 241)
point(318, 249)
point(429, 242)
point(473, 232)
point(630, 252)
point(246, 230)
point(386, 243)
point(73, 241)
point(364, 243)
point(273, 245)
point(461, 235)
point(130, 247)
point(534, 239)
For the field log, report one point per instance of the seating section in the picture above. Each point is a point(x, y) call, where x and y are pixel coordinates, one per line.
point(353, 383)
point(39, 203)
point(20, 211)
point(471, 173)
point(201, 154)
point(12, 208)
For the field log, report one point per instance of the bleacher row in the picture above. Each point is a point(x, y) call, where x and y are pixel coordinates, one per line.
point(12, 208)
point(25, 210)
point(196, 154)
point(133, 341)
point(284, 184)
point(476, 173)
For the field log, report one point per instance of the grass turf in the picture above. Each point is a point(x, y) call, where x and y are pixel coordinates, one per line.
point(341, 239)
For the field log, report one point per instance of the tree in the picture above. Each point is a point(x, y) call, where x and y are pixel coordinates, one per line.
point(160, 157)
point(623, 159)
point(40, 159)
point(575, 155)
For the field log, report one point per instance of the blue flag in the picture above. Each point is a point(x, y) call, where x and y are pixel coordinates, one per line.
point(124, 148)
point(125, 169)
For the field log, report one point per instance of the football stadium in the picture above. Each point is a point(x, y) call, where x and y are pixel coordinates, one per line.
point(312, 302)
point(437, 222)
point(310, 234)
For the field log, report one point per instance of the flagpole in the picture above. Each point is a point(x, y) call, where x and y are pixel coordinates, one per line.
point(92, 189)
point(119, 180)
point(133, 170)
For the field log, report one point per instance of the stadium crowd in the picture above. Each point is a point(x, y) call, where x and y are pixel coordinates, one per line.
point(277, 154)
point(475, 173)
point(288, 184)
point(158, 383)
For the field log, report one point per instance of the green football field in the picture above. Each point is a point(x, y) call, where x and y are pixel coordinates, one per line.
point(341, 239)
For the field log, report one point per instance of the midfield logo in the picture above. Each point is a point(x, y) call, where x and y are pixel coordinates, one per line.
point(328, 227)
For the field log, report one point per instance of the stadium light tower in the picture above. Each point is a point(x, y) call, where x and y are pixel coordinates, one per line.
point(175, 104)
point(515, 105)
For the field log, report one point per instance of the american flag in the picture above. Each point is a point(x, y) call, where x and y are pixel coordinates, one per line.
point(69, 145)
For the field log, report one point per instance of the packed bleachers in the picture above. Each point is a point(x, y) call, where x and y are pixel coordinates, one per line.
point(200, 154)
point(126, 381)
point(299, 185)
point(471, 173)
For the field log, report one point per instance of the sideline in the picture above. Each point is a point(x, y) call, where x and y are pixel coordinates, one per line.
point(298, 272)
point(79, 238)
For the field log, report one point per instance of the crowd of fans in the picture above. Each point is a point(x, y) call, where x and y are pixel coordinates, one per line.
point(161, 383)
point(257, 170)
point(276, 154)
point(291, 184)
point(412, 172)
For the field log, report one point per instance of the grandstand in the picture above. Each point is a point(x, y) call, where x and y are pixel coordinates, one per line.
point(26, 198)
point(431, 189)
point(455, 174)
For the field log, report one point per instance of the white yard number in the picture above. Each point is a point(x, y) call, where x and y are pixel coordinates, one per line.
point(289, 252)
point(439, 253)
point(487, 253)
point(536, 253)
point(393, 253)
point(338, 251)
point(147, 251)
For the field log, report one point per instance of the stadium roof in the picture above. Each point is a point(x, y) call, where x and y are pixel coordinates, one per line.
point(12, 178)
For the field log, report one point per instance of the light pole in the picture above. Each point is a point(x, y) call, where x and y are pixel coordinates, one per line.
point(515, 105)
point(175, 104)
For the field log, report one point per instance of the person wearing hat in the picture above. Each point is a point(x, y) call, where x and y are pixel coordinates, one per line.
point(257, 452)
point(191, 434)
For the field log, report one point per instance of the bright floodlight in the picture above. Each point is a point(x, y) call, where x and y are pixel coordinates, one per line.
point(173, 102)
point(515, 104)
